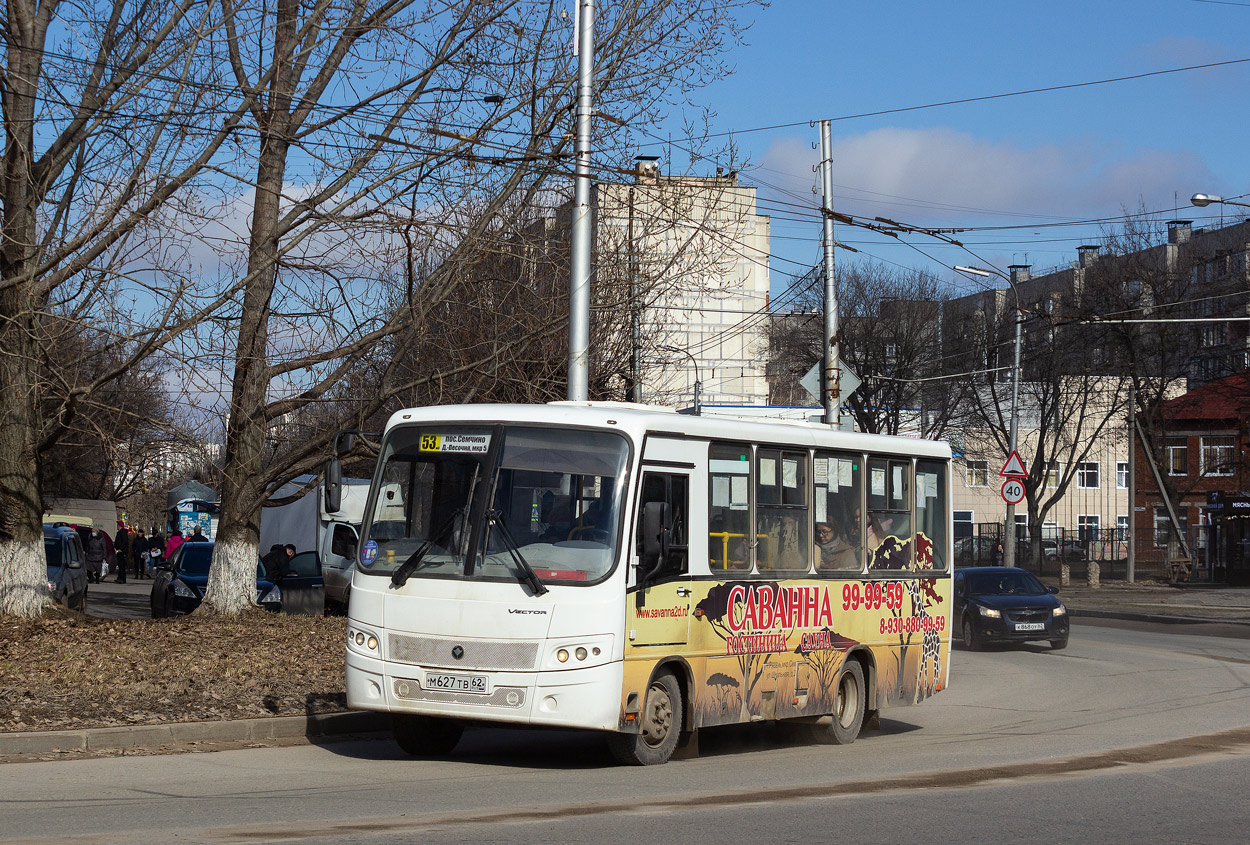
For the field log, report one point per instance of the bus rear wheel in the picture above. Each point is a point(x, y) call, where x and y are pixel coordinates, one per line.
point(423, 736)
point(659, 726)
point(848, 704)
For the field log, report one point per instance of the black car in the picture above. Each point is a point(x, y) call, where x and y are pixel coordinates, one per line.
point(178, 585)
point(67, 566)
point(1006, 604)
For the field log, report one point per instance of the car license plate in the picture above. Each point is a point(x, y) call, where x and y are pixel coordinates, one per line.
point(472, 684)
point(1030, 626)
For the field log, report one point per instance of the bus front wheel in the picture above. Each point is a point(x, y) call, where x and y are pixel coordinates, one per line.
point(848, 704)
point(422, 736)
point(659, 724)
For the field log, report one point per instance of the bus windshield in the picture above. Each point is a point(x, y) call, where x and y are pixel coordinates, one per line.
point(467, 496)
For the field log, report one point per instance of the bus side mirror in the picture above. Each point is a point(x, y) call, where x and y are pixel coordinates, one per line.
point(333, 486)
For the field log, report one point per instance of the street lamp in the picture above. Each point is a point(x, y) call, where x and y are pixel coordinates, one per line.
point(1203, 200)
point(1009, 547)
point(697, 382)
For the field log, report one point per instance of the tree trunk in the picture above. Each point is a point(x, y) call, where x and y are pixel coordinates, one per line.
point(23, 569)
point(232, 578)
point(22, 565)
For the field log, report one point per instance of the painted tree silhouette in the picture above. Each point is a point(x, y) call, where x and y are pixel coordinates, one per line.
point(826, 662)
point(723, 685)
point(715, 610)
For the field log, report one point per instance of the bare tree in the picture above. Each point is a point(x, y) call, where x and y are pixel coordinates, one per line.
point(890, 325)
point(1070, 400)
point(110, 114)
point(464, 129)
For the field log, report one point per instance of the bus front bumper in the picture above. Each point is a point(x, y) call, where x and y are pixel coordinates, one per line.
point(574, 698)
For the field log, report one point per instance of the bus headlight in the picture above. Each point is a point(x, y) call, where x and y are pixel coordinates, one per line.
point(362, 641)
point(591, 652)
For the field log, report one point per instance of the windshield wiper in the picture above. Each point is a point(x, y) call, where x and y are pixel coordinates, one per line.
point(525, 572)
point(400, 576)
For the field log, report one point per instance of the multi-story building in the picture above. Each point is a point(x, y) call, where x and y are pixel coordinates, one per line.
point(693, 254)
point(1070, 315)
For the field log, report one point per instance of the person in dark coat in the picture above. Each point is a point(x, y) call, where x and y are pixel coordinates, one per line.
point(274, 560)
point(121, 550)
point(96, 551)
point(139, 554)
point(196, 536)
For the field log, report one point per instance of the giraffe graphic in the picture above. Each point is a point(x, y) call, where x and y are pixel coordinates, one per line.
point(930, 643)
point(922, 594)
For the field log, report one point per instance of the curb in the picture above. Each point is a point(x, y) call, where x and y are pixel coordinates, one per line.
point(176, 734)
point(1160, 619)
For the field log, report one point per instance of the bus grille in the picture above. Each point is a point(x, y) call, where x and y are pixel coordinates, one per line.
point(500, 697)
point(478, 654)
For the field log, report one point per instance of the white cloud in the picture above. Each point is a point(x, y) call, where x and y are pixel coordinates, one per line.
point(936, 176)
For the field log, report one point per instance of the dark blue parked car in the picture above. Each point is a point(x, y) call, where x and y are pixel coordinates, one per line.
point(67, 566)
point(1006, 604)
point(179, 583)
point(178, 586)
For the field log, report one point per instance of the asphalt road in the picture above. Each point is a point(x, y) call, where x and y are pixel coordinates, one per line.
point(110, 600)
point(1124, 735)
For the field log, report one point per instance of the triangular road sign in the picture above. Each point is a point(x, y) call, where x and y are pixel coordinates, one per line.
point(1014, 468)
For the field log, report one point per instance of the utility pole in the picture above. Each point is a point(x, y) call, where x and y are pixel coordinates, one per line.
point(832, 392)
point(1009, 548)
point(1132, 484)
point(1009, 520)
point(635, 328)
point(579, 278)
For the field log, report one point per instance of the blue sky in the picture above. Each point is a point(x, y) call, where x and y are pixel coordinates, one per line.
point(1069, 155)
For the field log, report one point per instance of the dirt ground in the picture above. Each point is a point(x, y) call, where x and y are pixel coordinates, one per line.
point(67, 670)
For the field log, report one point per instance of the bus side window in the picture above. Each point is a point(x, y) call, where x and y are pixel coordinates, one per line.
point(674, 490)
point(782, 527)
point(931, 515)
point(889, 514)
point(838, 514)
point(729, 507)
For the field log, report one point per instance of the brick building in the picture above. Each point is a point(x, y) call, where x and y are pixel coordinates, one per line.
point(1200, 456)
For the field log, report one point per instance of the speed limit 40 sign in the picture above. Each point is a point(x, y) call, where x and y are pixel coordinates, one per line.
point(1013, 491)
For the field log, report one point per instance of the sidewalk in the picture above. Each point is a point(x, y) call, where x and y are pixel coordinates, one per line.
point(1151, 602)
point(1157, 602)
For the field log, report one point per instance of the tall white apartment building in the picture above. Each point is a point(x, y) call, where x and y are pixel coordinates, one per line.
point(694, 251)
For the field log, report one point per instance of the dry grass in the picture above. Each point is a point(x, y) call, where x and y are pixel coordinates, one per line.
point(67, 670)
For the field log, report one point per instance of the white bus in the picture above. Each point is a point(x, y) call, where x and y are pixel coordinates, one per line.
point(644, 573)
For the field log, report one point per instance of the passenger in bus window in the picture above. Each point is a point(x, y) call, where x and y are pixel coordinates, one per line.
point(834, 550)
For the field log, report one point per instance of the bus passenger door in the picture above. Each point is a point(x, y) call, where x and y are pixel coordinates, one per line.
point(659, 613)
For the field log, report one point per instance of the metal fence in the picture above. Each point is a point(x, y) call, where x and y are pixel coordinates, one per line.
point(1107, 547)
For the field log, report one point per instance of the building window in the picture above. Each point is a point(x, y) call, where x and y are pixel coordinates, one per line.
point(1163, 526)
point(1087, 475)
point(1217, 454)
point(1052, 473)
point(1215, 334)
point(1178, 456)
point(963, 524)
point(1121, 475)
point(978, 474)
point(1121, 527)
point(1087, 525)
